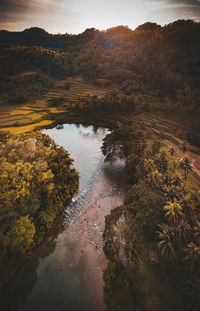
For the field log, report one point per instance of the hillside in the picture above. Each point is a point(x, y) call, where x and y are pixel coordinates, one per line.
point(160, 66)
point(142, 84)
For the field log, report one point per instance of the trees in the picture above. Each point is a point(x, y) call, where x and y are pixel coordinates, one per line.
point(173, 211)
point(21, 237)
point(185, 164)
point(36, 181)
point(171, 151)
point(192, 254)
point(167, 243)
point(184, 230)
point(184, 146)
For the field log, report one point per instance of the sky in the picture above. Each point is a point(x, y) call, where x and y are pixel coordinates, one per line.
point(74, 16)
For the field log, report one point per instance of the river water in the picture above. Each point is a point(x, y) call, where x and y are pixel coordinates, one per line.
point(65, 273)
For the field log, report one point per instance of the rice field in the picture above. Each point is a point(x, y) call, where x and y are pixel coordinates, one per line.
point(22, 118)
point(22, 129)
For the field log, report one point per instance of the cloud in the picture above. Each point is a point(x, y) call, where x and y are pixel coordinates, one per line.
point(16, 9)
point(77, 15)
point(175, 9)
point(181, 3)
point(20, 14)
point(5, 25)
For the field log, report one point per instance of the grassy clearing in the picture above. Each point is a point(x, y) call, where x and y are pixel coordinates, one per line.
point(26, 128)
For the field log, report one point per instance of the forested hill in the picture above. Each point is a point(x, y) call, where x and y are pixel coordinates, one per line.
point(164, 60)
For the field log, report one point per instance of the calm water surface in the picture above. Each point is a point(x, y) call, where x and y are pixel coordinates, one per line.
point(65, 272)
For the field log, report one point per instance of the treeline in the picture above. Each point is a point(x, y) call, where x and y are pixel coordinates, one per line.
point(115, 102)
point(15, 59)
point(151, 59)
point(36, 183)
point(158, 223)
point(30, 71)
point(18, 89)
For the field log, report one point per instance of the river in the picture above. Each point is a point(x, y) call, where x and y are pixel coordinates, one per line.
point(65, 273)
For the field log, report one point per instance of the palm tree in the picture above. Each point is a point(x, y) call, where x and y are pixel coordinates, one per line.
point(197, 230)
point(161, 161)
point(141, 145)
point(170, 192)
point(167, 242)
point(177, 181)
point(192, 253)
point(155, 178)
point(173, 211)
point(184, 146)
point(184, 230)
point(149, 165)
point(171, 151)
point(185, 164)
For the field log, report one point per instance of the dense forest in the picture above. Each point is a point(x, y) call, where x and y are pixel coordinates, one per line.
point(36, 182)
point(158, 223)
point(161, 63)
point(154, 69)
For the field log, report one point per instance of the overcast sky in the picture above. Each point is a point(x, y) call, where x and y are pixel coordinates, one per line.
point(74, 16)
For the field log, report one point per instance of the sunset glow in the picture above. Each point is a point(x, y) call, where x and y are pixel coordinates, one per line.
point(74, 16)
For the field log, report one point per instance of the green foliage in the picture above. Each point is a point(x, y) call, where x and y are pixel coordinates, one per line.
point(20, 237)
point(116, 290)
point(157, 67)
point(111, 248)
point(185, 164)
point(116, 102)
point(17, 89)
point(36, 182)
point(160, 215)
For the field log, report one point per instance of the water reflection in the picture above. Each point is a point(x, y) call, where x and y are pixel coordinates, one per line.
point(84, 145)
point(15, 293)
point(61, 273)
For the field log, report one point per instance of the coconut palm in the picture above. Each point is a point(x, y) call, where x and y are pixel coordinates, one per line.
point(173, 211)
point(184, 146)
point(141, 145)
point(171, 151)
point(149, 165)
point(185, 164)
point(197, 230)
point(155, 178)
point(184, 230)
point(167, 243)
point(192, 252)
point(161, 161)
point(176, 180)
point(170, 192)
point(174, 165)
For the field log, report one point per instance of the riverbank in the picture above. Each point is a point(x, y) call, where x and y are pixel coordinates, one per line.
point(75, 256)
point(87, 231)
point(70, 262)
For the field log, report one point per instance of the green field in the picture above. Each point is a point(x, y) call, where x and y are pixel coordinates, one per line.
point(56, 101)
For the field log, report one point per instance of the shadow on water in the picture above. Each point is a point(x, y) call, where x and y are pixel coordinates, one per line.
point(115, 173)
point(22, 283)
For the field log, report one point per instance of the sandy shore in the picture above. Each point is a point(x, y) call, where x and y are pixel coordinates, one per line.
point(87, 230)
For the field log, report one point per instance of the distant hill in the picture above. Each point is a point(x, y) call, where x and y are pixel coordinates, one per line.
point(164, 60)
